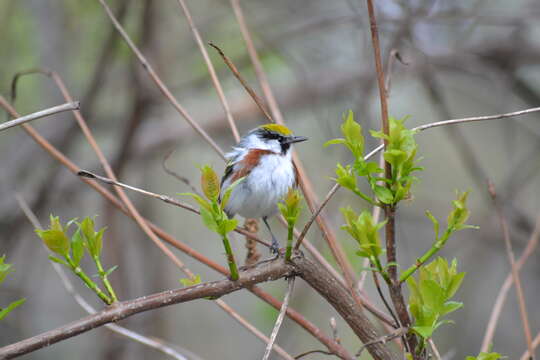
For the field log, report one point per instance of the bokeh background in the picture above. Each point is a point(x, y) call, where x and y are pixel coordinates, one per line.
point(461, 58)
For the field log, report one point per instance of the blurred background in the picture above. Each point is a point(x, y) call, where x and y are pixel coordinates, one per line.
point(460, 59)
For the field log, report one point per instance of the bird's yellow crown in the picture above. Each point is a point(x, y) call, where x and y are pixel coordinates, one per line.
point(280, 129)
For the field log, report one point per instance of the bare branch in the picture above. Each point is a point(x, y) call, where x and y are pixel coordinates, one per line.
point(159, 83)
point(280, 318)
point(515, 271)
point(211, 70)
point(40, 114)
point(244, 83)
point(501, 297)
point(263, 272)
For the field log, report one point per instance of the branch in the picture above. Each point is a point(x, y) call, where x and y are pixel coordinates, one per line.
point(280, 318)
point(211, 70)
point(319, 279)
point(501, 297)
point(159, 83)
point(265, 271)
point(40, 114)
point(515, 271)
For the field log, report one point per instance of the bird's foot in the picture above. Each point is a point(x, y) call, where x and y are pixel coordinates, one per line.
point(274, 248)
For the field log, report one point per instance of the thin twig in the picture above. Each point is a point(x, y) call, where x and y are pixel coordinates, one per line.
point(503, 292)
point(174, 174)
point(383, 339)
point(244, 83)
point(515, 271)
point(312, 352)
point(536, 342)
point(153, 342)
point(40, 114)
point(159, 83)
point(477, 118)
point(434, 349)
point(281, 316)
point(211, 70)
point(394, 55)
point(164, 198)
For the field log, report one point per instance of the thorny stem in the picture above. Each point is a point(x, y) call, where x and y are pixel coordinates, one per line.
point(103, 277)
point(230, 258)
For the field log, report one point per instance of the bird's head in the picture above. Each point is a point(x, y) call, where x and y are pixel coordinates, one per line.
point(273, 137)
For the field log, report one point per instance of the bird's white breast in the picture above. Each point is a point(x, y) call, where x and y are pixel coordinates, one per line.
point(265, 185)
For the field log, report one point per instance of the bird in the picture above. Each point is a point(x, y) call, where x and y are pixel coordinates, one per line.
point(263, 159)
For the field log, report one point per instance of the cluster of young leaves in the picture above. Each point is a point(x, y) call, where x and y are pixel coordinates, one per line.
point(365, 231)
point(430, 295)
point(400, 152)
point(486, 356)
point(290, 208)
point(70, 251)
point(213, 213)
point(5, 270)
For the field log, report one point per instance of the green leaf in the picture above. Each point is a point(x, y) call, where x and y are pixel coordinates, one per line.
point(10, 308)
point(334, 142)
point(203, 203)
point(424, 331)
point(109, 272)
point(59, 261)
point(208, 220)
point(228, 192)
point(435, 223)
point(227, 225)
point(77, 247)
point(210, 183)
point(190, 282)
point(486, 356)
point(451, 306)
point(383, 194)
point(55, 240)
point(5, 268)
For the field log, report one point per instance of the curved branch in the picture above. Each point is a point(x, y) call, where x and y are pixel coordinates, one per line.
point(318, 278)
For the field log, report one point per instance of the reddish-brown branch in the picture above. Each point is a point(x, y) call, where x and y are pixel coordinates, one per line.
point(501, 297)
point(390, 210)
point(159, 83)
point(314, 275)
point(515, 271)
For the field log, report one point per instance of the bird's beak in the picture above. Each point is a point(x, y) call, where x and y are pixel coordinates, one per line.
point(295, 139)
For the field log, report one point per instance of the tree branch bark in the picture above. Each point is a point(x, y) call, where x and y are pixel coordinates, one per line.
point(317, 277)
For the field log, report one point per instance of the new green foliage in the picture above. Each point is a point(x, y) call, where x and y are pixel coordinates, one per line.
point(5, 270)
point(430, 295)
point(400, 152)
point(212, 211)
point(486, 356)
point(290, 208)
point(70, 251)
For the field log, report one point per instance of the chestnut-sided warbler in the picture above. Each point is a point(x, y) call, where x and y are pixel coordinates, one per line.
point(263, 159)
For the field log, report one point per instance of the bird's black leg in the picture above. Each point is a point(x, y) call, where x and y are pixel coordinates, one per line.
point(274, 248)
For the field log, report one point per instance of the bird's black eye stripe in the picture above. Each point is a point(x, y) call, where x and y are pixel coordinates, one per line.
point(272, 136)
